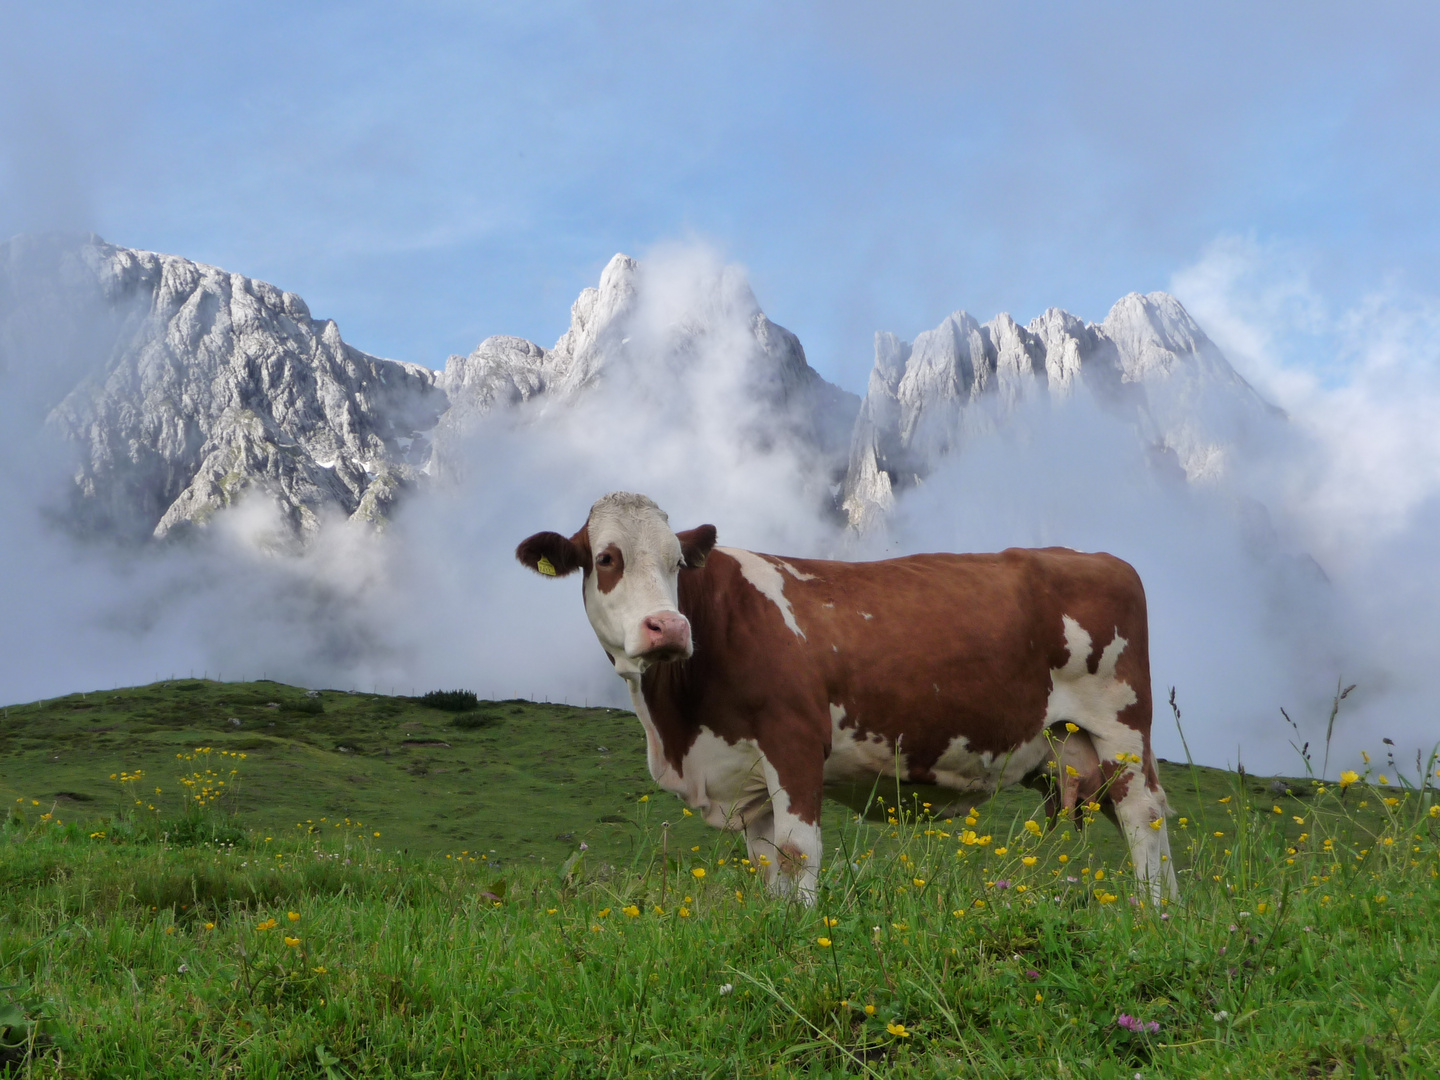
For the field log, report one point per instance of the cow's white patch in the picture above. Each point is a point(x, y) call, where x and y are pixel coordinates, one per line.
point(866, 616)
point(855, 755)
point(723, 782)
point(964, 769)
point(796, 574)
point(837, 713)
point(1094, 703)
point(762, 573)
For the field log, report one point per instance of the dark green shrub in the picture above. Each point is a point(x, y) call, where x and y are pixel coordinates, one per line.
point(451, 700)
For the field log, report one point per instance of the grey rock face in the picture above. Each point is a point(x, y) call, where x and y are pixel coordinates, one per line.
point(620, 334)
point(1148, 361)
point(188, 386)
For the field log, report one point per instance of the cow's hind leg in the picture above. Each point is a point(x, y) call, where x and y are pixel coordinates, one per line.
point(1131, 791)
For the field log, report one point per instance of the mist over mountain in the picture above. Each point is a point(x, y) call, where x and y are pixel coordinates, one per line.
point(348, 520)
point(666, 359)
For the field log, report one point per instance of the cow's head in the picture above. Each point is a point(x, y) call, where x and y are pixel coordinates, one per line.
point(632, 561)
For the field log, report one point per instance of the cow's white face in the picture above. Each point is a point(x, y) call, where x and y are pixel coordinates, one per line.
point(632, 561)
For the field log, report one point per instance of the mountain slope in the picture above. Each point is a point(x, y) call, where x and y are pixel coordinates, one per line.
point(187, 386)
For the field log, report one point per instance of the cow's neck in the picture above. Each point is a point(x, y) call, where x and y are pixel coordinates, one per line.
point(671, 693)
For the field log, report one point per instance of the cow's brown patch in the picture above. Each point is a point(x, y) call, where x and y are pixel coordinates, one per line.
point(609, 568)
point(792, 860)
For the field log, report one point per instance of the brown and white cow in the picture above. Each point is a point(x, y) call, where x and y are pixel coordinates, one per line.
point(761, 681)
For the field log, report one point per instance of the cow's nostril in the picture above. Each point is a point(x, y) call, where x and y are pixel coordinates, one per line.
point(653, 625)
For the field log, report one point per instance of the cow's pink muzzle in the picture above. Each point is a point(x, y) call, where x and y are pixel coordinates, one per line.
point(665, 635)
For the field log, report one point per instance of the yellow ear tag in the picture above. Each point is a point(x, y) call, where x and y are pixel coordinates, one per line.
point(545, 566)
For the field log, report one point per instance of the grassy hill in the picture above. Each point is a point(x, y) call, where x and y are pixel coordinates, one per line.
point(271, 933)
point(511, 779)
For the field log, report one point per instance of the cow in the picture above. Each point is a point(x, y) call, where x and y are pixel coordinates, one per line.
point(762, 682)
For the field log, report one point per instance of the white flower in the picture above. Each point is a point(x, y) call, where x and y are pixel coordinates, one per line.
point(727, 988)
point(1221, 1016)
point(184, 968)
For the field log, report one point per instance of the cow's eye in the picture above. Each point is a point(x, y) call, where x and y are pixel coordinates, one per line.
point(604, 559)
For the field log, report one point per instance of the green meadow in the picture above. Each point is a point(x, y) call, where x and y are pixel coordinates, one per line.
point(201, 878)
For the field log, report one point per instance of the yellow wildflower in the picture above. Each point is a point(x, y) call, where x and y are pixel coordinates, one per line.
point(1029, 860)
point(1071, 728)
point(869, 1010)
point(898, 1030)
point(1032, 827)
point(1348, 777)
point(293, 916)
point(823, 942)
point(292, 941)
point(631, 910)
point(698, 872)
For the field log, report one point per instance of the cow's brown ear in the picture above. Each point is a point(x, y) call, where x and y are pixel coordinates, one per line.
point(695, 545)
point(550, 554)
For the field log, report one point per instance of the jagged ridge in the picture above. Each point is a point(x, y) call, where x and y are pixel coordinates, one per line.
point(208, 385)
point(1148, 360)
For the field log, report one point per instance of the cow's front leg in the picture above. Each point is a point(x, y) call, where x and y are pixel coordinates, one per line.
point(784, 839)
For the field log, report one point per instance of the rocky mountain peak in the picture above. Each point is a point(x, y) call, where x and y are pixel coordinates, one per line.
point(195, 385)
point(1148, 361)
point(677, 336)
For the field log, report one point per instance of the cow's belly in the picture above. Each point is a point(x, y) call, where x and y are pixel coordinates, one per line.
point(858, 756)
point(722, 781)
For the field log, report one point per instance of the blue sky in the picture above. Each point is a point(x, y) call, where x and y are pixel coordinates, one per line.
point(429, 174)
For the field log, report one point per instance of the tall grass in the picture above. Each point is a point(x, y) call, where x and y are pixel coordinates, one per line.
point(1305, 946)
